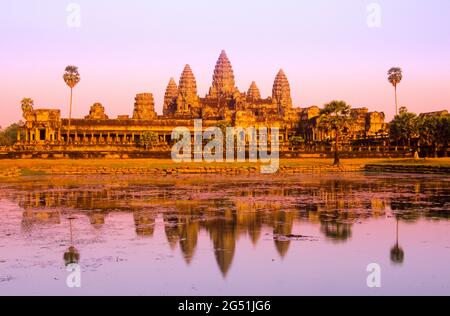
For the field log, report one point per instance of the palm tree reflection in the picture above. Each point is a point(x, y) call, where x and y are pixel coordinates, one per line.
point(71, 255)
point(397, 253)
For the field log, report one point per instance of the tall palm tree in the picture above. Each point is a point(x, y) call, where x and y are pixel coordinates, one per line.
point(71, 78)
point(395, 76)
point(335, 116)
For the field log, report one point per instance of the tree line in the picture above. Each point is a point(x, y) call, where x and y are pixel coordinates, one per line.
point(430, 133)
point(8, 136)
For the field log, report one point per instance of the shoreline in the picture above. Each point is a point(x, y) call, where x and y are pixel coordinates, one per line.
point(28, 167)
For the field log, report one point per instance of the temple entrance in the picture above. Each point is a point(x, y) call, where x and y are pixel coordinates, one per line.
point(42, 134)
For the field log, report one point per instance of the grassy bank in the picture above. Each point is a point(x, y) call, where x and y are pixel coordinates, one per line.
point(435, 162)
point(422, 166)
point(28, 167)
point(167, 163)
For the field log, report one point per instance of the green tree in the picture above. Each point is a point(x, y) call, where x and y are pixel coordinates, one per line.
point(8, 136)
point(402, 110)
point(71, 78)
point(404, 127)
point(335, 116)
point(428, 132)
point(444, 129)
point(395, 76)
point(148, 139)
point(434, 131)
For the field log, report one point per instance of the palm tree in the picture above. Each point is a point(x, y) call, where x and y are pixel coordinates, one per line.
point(395, 77)
point(444, 131)
point(429, 132)
point(434, 131)
point(403, 127)
point(335, 116)
point(403, 110)
point(27, 105)
point(71, 78)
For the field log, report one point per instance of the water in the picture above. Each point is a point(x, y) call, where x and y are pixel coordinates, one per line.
point(225, 235)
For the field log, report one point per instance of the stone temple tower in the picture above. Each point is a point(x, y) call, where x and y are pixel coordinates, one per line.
point(223, 84)
point(144, 107)
point(187, 100)
point(253, 92)
point(170, 98)
point(281, 92)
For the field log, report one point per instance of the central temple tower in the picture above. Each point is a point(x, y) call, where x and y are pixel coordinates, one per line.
point(223, 84)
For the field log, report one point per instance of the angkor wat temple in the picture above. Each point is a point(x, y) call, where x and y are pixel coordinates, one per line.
point(46, 131)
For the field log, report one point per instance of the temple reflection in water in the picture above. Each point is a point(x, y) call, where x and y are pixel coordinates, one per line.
point(227, 214)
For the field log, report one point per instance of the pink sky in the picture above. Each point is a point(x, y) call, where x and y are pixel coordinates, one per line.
point(325, 47)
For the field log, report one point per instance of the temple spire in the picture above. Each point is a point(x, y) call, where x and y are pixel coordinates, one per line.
point(170, 97)
point(253, 92)
point(281, 92)
point(188, 84)
point(187, 92)
point(223, 79)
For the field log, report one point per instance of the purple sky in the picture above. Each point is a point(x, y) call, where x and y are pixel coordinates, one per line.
point(325, 47)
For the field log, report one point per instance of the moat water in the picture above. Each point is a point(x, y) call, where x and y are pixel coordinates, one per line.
point(225, 235)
